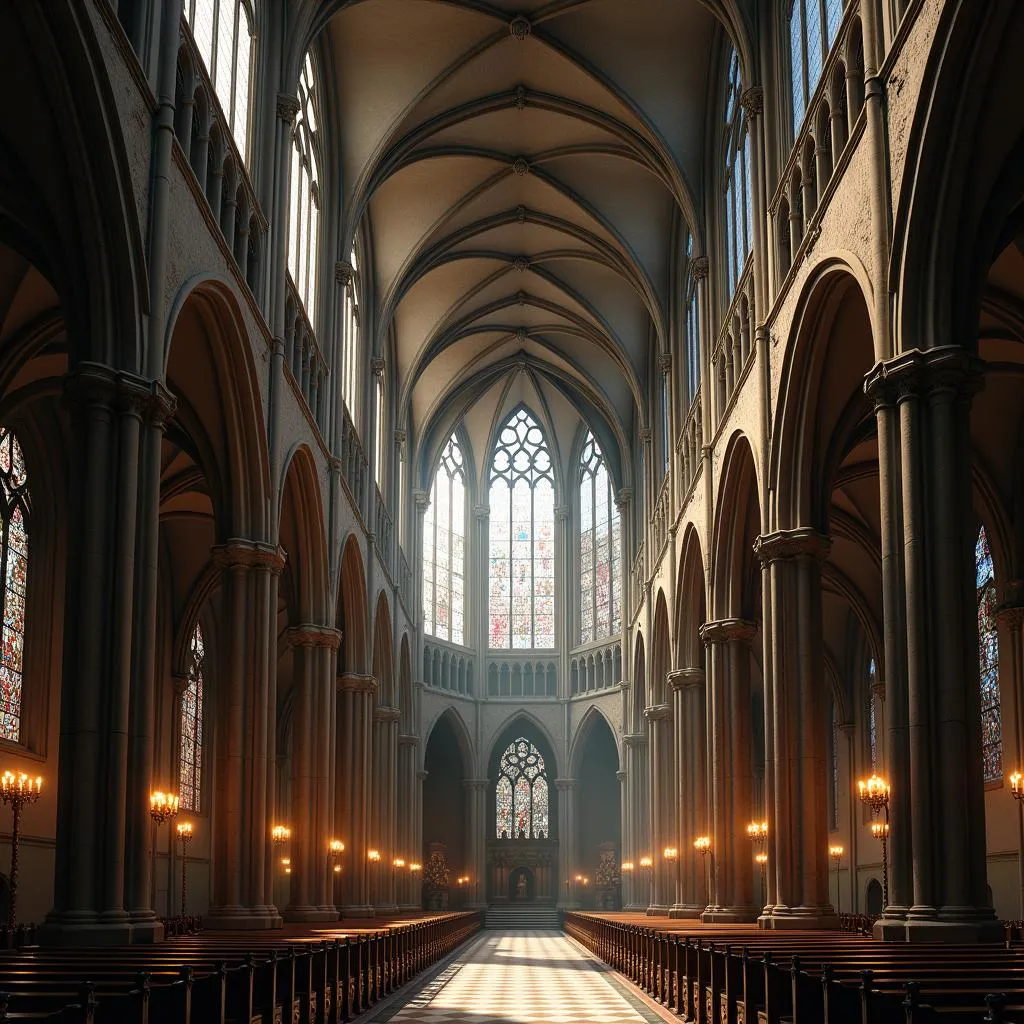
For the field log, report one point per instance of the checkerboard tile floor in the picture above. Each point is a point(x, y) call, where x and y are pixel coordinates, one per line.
point(523, 977)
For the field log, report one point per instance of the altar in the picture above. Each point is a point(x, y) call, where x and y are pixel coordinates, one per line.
point(522, 871)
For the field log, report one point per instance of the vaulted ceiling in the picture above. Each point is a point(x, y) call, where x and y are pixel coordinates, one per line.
point(523, 174)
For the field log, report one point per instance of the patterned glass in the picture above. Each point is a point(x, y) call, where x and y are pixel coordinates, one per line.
point(521, 793)
point(190, 755)
point(444, 549)
point(834, 802)
point(303, 236)
point(872, 720)
point(521, 591)
point(737, 179)
point(988, 661)
point(813, 28)
point(796, 56)
point(600, 603)
point(14, 554)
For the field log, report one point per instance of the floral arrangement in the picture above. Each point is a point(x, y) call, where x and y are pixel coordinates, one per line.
point(607, 870)
point(436, 872)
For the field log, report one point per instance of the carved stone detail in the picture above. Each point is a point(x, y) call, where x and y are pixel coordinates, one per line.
point(377, 366)
point(308, 635)
point(924, 372)
point(520, 166)
point(287, 107)
point(353, 682)
point(249, 554)
point(723, 630)
point(520, 97)
point(791, 544)
point(520, 27)
point(684, 678)
point(752, 101)
point(521, 263)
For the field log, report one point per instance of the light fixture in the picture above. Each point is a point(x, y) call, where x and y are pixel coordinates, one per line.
point(757, 831)
point(162, 806)
point(18, 790)
point(280, 834)
point(336, 847)
point(702, 844)
point(670, 853)
point(373, 855)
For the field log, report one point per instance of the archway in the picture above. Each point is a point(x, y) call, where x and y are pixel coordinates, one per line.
point(661, 760)
point(598, 812)
point(384, 770)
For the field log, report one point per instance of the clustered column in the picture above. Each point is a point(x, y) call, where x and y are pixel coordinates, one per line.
point(636, 818)
point(408, 748)
point(663, 829)
point(688, 705)
point(476, 810)
point(796, 758)
point(566, 839)
point(731, 776)
point(937, 888)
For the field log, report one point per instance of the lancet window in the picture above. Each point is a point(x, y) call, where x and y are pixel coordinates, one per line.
point(692, 328)
point(304, 201)
point(521, 794)
point(813, 26)
point(444, 548)
point(872, 715)
point(14, 555)
point(190, 753)
point(600, 548)
point(521, 599)
point(988, 655)
point(350, 339)
point(736, 173)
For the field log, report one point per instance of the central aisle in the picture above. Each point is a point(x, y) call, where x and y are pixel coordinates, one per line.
point(522, 977)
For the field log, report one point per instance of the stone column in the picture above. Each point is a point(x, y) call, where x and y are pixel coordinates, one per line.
point(312, 806)
point(625, 877)
point(688, 705)
point(731, 770)
point(1011, 676)
point(932, 391)
point(663, 829)
point(382, 836)
point(408, 746)
point(353, 787)
point(798, 763)
point(476, 798)
point(566, 840)
point(636, 773)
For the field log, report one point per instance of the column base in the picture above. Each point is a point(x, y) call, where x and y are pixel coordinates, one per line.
point(729, 915)
point(681, 910)
point(310, 915)
point(948, 924)
point(243, 919)
point(385, 908)
point(96, 930)
point(781, 918)
point(656, 910)
point(363, 910)
point(635, 908)
point(568, 905)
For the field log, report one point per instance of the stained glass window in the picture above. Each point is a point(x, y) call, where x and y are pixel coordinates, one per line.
point(14, 554)
point(692, 328)
point(600, 548)
point(521, 600)
point(834, 758)
point(190, 755)
point(666, 420)
point(350, 340)
point(304, 204)
point(739, 229)
point(444, 548)
point(222, 30)
point(813, 27)
point(872, 719)
point(521, 794)
point(988, 654)
point(380, 440)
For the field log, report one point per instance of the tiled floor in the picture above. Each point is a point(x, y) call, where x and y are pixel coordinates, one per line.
point(522, 978)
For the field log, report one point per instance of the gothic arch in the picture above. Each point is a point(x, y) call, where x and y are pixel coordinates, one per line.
point(353, 608)
point(661, 653)
point(736, 585)
point(405, 694)
point(639, 684)
point(691, 604)
point(383, 668)
point(304, 580)
point(593, 718)
point(523, 723)
point(465, 743)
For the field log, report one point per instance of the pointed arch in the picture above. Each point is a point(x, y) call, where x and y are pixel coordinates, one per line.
point(454, 719)
point(444, 547)
point(405, 696)
point(593, 719)
point(639, 684)
point(691, 604)
point(383, 669)
point(600, 543)
point(353, 608)
point(736, 585)
point(661, 656)
point(303, 536)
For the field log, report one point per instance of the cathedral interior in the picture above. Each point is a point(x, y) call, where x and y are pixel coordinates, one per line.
point(482, 469)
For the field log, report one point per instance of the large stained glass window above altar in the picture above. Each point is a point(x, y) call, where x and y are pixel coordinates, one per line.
point(521, 593)
point(521, 794)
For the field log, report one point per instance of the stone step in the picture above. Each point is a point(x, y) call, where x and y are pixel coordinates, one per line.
point(533, 916)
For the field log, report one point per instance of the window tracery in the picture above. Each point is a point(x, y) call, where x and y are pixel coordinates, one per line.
point(521, 793)
point(190, 752)
point(444, 548)
point(600, 548)
point(304, 201)
point(872, 715)
point(223, 31)
point(692, 328)
point(14, 555)
point(350, 340)
point(988, 661)
point(813, 27)
point(522, 538)
point(380, 435)
point(738, 214)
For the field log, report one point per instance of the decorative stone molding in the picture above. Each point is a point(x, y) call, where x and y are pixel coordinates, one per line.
point(565, 785)
point(520, 27)
point(623, 497)
point(401, 437)
point(665, 363)
point(309, 635)
point(645, 435)
point(481, 511)
point(621, 776)
point(476, 785)
point(658, 712)
point(521, 298)
point(521, 264)
point(407, 740)
point(520, 97)
point(421, 774)
point(522, 335)
point(521, 166)
point(752, 101)
point(354, 682)
point(803, 541)
point(287, 108)
point(377, 366)
point(248, 554)
point(521, 214)
point(685, 678)
point(562, 512)
point(635, 739)
point(92, 384)
point(920, 372)
point(386, 714)
point(723, 630)
point(343, 273)
point(699, 268)
point(421, 499)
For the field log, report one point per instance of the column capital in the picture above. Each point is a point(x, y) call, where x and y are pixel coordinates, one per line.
point(481, 511)
point(684, 678)
point(562, 512)
point(624, 497)
point(665, 363)
point(621, 776)
point(343, 273)
point(310, 635)
point(377, 366)
point(635, 739)
point(421, 499)
point(804, 541)
point(947, 369)
point(237, 552)
point(565, 785)
point(287, 107)
point(723, 630)
point(657, 712)
point(475, 785)
point(354, 682)
point(408, 740)
point(95, 384)
point(386, 714)
point(645, 435)
point(421, 774)
point(699, 268)
point(752, 101)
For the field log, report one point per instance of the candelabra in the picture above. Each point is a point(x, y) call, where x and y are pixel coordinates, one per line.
point(702, 844)
point(1017, 789)
point(396, 865)
point(762, 860)
point(757, 832)
point(647, 867)
point(836, 853)
point(185, 837)
point(626, 875)
point(373, 857)
point(162, 807)
point(671, 854)
point(875, 793)
point(17, 790)
point(280, 834)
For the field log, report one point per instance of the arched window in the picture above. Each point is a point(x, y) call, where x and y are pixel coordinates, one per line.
point(444, 548)
point(988, 655)
point(190, 753)
point(692, 328)
point(521, 795)
point(14, 553)
point(813, 26)
point(666, 421)
point(380, 427)
point(872, 715)
point(304, 206)
point(833, 802)
point(736, 172)
point(350, 339)
point(222, 30)
point(600, 544)
point(522, 541)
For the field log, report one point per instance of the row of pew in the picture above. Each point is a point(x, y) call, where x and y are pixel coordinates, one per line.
point(320, 978)
point(747, 976)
